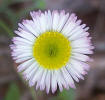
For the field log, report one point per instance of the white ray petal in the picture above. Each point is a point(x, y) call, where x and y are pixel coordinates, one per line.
point(24, 55)
point(74, 71)
point(21, 43)
point(18, 54)
point(80, 57)
point(85, 66)
point(42, 81)
point(48, 81)
point(50, 20)
point(22, 47)
point(84, 40)
point(25, 64)
point(67, 77)
point(77, 65)
point(30, 75)
point(62, 20)
point(83, 46)
point(70, 25)
point(61, 81)
point(86, 29)
point(38, 82)
point(55, 21)
point(36, 25)
point(22, 59)
point(53, 81)
point(25, 35)
point(28, 24)
point(75, 32)
point(22, 40)
point(83, 25)
point(37, 76)
point(22, 27)
point(82, 51)
point(75, 77)
point(43, 23)
point(30, 68)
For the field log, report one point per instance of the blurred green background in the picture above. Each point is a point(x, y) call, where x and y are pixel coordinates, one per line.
point(92, 12)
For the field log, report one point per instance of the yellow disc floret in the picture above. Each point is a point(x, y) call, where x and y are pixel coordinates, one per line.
point(52, 50)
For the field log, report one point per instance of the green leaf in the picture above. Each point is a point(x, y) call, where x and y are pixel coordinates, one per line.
point(67, 95)
point(13, 92)
point(40, 4)
point(37, 4)
point(11, 16)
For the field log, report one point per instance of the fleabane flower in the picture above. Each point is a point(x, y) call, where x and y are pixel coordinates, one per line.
point(52, 49)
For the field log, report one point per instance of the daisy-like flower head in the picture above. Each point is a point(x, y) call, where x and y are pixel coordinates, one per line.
point(52, 50)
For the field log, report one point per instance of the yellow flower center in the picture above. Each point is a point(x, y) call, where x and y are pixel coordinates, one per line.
point(52, 50)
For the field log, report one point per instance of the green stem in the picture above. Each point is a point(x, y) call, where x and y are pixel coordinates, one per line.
point(5, 27)
point(32, 90)
point(33, 93)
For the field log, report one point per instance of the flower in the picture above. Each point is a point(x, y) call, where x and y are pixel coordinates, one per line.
point(52, 50)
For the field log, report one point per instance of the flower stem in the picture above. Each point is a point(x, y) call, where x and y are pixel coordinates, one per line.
point(5, 27)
